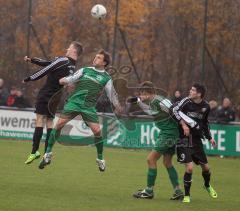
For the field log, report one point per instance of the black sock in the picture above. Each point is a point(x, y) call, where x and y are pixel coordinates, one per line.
point(36, 138)
point(49, 130)
point(187, 183)
point(206, 176)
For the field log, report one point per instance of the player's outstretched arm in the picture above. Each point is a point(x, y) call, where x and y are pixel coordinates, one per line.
point(113, 96)
point(59, 62)
point(72, 78)
point(146, 108)
point(37, 61)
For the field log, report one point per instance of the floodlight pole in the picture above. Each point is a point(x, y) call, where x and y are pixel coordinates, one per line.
point(129, 54)
point(116, 29)
point(204, 41)
point(115, 32)
point(29, 26)
point(29, 31)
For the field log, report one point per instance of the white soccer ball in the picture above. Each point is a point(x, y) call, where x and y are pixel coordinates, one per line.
point(98, 11)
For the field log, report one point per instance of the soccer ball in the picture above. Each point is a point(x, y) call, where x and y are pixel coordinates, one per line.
point(99, 11)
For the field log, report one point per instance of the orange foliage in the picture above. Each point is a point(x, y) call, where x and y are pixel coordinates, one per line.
point(164, 38)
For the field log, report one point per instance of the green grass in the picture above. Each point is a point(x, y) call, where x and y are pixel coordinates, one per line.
point(73, 182)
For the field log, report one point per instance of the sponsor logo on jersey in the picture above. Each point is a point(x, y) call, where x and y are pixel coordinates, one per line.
point(91, 78)
point(195, 115)
point(99, 77)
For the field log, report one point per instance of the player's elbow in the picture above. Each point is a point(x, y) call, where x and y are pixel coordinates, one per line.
point(62, 81)
point(173, 112)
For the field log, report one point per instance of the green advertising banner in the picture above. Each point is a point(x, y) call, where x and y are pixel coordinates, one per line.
point(142, 133)
point(126, 132)
point(228, 140)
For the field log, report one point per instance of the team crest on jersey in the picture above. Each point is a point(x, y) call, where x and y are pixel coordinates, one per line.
point(99, 77)
point(204, 109)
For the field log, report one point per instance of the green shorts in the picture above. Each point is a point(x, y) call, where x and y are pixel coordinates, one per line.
point(165, 144)
point(89, 114)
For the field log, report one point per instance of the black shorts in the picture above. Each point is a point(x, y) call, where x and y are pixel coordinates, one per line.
point(43, 109)
point(194, 154)
point(47, 102)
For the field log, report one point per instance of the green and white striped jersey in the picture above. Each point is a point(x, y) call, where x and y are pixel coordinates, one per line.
point(159, 109)
point(89, 84)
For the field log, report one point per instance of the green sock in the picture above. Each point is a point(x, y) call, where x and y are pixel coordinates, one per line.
point(52, 139)
point(151, 177)
point(173, 176)
point(99, 146)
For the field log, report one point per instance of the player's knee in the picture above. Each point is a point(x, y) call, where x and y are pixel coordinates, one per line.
point(151, 161)
point(49, 123)
point(189, 170)
point(205, 168)
point(39, 121)
point(59, 125)
point(167, 163)
point(97, 132)
point(95, 129)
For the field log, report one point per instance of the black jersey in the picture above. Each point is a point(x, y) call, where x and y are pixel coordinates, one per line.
point(56, 69)
point(198, 113)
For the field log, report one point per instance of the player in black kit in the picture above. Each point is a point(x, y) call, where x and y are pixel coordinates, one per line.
point(192, 115)
point(57, 68)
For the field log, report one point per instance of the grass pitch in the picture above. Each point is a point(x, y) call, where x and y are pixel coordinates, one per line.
point(73, 182)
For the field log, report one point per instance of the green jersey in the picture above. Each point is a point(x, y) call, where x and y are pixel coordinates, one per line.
point(89, 85)
point(159, 109)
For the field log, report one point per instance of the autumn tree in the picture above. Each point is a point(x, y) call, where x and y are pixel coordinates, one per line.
point(165, 39)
